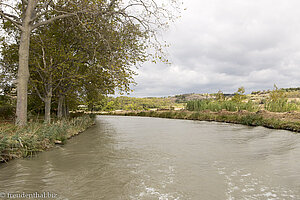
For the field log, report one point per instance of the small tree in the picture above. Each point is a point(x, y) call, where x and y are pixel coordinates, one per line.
point(278, 102)
point(239, 96)
point(220, 96)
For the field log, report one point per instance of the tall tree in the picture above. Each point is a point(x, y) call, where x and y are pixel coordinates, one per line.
point(89, 60)
point(27, 15)
point(54, 58)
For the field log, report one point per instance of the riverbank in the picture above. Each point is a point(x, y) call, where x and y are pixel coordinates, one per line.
point(17, 142)
point(285, 121)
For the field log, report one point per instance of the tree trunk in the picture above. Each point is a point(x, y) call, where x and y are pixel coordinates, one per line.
point(23, 77)
point(48, 107)
point(23, 70)
point(61, 99)
point(48, 110)
point(67, 112)
point(64, 108)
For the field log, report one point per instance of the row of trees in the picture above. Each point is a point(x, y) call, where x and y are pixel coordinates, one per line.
point(237, 102)
point(130, 103)
point(64, 50)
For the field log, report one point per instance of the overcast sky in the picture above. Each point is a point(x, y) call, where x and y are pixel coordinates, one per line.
point(225, 44)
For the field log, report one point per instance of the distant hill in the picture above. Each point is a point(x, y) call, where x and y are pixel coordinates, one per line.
point(183, 98)
point(291, 92)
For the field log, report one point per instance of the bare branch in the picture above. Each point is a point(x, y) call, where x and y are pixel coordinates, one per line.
point(39, 66)
point(130, 5)
point(46, 4)
point(12, 16)
point(42, 13)
point(38, 92)
point(52, 19)
point(16, 23)
point(130, 17)
point(58, 84)
point(44, 58)
point(11, 7)
point(112, 3)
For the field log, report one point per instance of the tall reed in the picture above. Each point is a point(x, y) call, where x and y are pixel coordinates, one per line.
point(16, 142)
point(215, 106)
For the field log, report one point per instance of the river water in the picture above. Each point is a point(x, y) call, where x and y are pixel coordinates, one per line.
point(151, 158)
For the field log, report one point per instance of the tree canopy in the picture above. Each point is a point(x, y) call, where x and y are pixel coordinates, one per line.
point(77, 47)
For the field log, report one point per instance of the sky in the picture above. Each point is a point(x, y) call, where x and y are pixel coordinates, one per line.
point(225, 44)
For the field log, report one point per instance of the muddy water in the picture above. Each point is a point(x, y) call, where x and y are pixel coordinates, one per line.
point(150, 158)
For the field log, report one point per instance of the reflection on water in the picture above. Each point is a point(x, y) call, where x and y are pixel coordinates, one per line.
point(149, 158)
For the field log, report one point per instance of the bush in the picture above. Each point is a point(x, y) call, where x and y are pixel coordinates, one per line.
point(278, 102)
point(215, 106)
point(18, 142)
point(252, 120)
point(77, 114)
point(7, 112)
point(280, 106)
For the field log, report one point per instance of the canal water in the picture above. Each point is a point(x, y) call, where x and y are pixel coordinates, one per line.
point(165, 159)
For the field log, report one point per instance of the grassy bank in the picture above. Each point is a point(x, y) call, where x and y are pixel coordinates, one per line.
point(16, 142)
point(261, 118)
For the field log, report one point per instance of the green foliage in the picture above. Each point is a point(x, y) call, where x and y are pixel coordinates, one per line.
point(132, 103)
point(7, 112)
point(278, 102)
point(87, 56)
point(249, 106)
point(7, 109)
point(18, 142)
point(249, 119)
point(215, 106)
point(252, 120)
point(181, 98)
point(220, 96)
point(239, 96)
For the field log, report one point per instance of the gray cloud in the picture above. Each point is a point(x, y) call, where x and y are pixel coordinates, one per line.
point(223, 45)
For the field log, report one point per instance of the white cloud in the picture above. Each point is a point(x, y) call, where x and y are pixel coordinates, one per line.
point(221, 44)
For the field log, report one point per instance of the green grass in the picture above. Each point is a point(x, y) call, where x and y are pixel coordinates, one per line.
point(281, 106)
point(16, 142)
point(215, 106)
point(249, 119)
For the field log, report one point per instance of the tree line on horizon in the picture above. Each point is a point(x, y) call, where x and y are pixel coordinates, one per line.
point(276, 101)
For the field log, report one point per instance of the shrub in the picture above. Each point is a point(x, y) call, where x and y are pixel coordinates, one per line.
point(215, 106)
point(18, 142)
point(252, 120)
point(7, 112)
point(278, 102)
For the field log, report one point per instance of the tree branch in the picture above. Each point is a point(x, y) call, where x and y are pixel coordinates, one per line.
point(52, 19)
point(112, 3)
point(46, 4)
point(58, 84)
point(16, 23)
point(39, 15)
point(7, 5)
point(37, 91)
point(42, 13)
point(130, 5)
